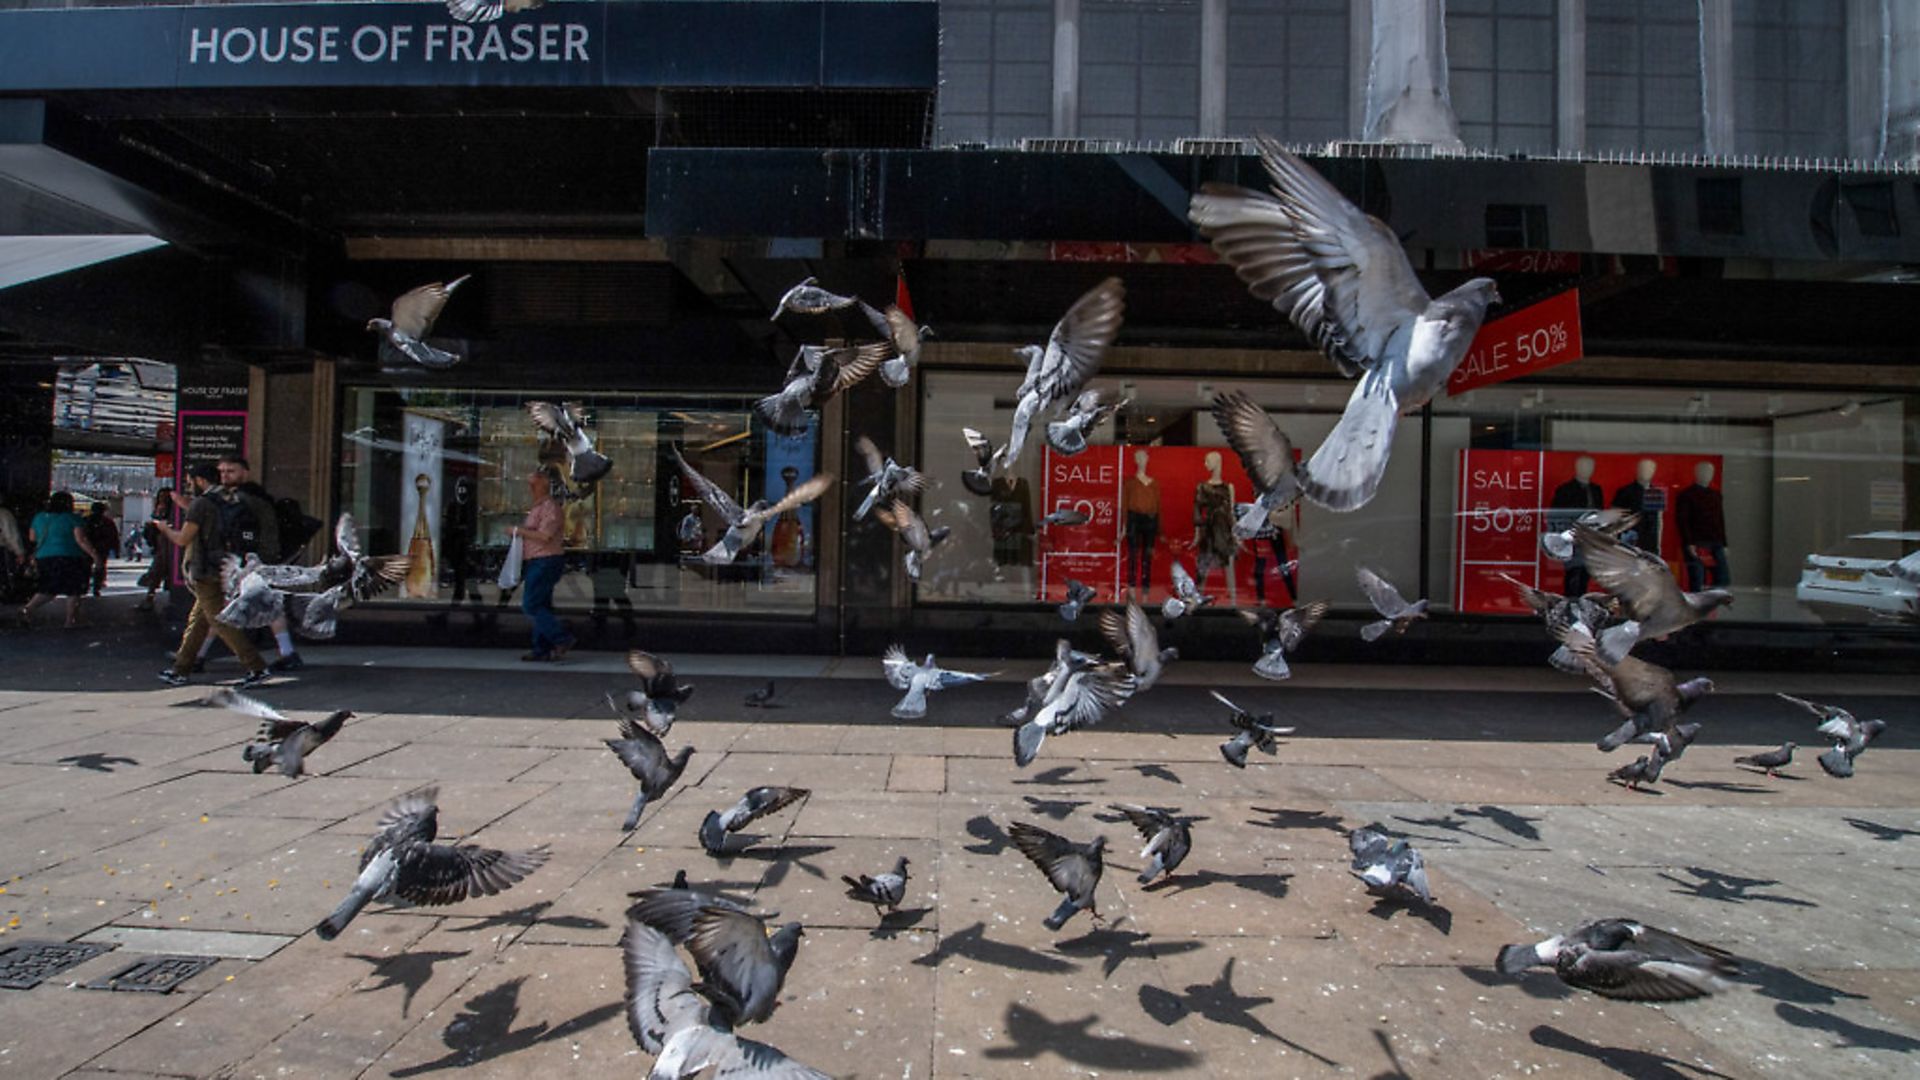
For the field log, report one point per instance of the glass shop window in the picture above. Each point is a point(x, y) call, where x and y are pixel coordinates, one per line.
point(1157, 486)
point(1762, 492)
point(442, 475)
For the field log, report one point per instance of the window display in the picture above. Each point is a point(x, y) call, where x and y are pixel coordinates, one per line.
point(441, 475)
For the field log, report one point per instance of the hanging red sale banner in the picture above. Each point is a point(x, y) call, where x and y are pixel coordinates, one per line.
point(1543, 335)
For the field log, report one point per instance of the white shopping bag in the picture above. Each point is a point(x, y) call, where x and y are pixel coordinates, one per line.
point(510, 567)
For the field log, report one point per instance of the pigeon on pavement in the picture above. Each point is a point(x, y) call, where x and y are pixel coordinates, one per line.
point(403, 334)
point(886, 479)
point(403, 861)
point(659, 696)
point(919, 680)
point(641, 751)
point(1646, 695)
point(1849, 736)
point(1068, 436)
point(978, 479)
point(1186, 595)
point(670, 1020)
point(1169, 838)
point(1622, 958)
point(1281, 632)
point(1073, 869)
point(1655, 604)
point(279, 741)
point(1770, 760)
point(1396, 613)
point(566, 422)
point(1641, 770)
point(742, 966)
point(1067, 700)
point(752, 806)
point(1071, 356)
point(1078, 594)
point(816, 374)
point(743, 526)
point(763, 697)
point(1388, 865)
point(1265, 453)
point(883, 890)
point(1342, 277)
point(1132, 635)
point(1251, 732)
point(913, 531)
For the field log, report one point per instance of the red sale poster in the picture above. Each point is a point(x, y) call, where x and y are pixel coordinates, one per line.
point(1506, 498)
point(1542, 335)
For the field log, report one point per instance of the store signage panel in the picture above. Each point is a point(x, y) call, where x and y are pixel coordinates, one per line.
point(1540, 336)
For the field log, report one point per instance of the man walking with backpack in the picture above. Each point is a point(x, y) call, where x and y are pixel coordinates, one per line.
point(250, 525)
point(200, 538)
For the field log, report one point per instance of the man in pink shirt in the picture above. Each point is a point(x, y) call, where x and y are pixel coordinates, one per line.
point(542, 539)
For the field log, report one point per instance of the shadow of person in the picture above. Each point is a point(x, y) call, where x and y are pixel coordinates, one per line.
point(484, 1029)
point(1266, 884)
point(1119, 946)
point(410, 970)
point(1847, 1033)
point(1220, 1003)
point(1637, 1064)
point(1032, 1035)
point(973, 944)
point(1435, 914)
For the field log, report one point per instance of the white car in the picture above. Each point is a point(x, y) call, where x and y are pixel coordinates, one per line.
point(1876, 573)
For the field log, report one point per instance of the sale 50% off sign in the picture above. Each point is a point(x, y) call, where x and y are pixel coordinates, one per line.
point(1540, 336)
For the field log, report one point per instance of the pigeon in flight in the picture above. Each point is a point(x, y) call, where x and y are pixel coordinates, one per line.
point(1641, 770)
point(1065, 518)
point(810, 298)
point(316, 594)
point(1073, 694)
point(1613, 522)
point(978, 479)
point(1621, 958)
point(1072, 355)
point(1342, 277)
point(1250, 732)
point(886, 478)
point(1396, 614)
point(1073, 869)
point(919, 680)
point(674, 917)
point(1594, 612)
point(1068, 436)
point(752, 806)
point(1132, 635)
point(672, 1021)
point(1079, 594)
point(1169, 838)
point(1849, 735)
point(485, 11)
point(1655, 604)
point(1066, 661)
point(1770, 760)
point(641, 751)
point(913, 531)
point(279, 741)
point(403, 333)
point(905, 336)
point(1265, 453)
point(742, 966)
point(744, 526)
point(566, 422)
point(817, 373)
point(1647, 696)
point(884, 890)
point(251, 602)
point(763, 697)
point(660, 694)
point(1186, 595)
point(403, 861)
point(1388, 865)
point(1281, 632)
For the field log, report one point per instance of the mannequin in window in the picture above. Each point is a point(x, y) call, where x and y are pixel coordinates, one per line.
point(1010, 515)
point(1699, 513)
point(789, 534)
point(1635, 497)
point(1140, 502)
point(1570, 500)
point(1213, 542)
point(1273, 538)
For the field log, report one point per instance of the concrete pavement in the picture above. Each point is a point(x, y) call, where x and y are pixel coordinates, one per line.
point(131, 820)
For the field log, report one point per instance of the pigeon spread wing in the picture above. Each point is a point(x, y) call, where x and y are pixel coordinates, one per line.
point(797, 496)
point(645, 757)
point(229, 698)
point(1146, 820)
point(1063, 861)
point(899, 670)
point(1383, 596)
point(732, 950)
point(443, 874)
point(660, 997)
point(1081, 337)
point(710, 492)
point(1263, 448)
point(870, 455)
point(1295, 623)
point(1640, 579)
point(415, 310)
point(650, 669)
point(1346, 470)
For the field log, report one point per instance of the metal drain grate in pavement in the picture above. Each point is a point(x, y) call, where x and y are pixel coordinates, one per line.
point(155, 974)
point(26, 965)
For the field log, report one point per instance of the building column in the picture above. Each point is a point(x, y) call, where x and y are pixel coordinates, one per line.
point(1407, 97)
point(1570, 81)
point(1867, 23)
point(1359, 64)
point(1213, 68)
point(1902, 82)
point(323, 463)
point(1066, 68)
point(1716, 76)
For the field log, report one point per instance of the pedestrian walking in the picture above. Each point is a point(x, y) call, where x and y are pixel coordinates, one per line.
point(104, 532)
point(158, 546)
point(543, 553)
point(64, 555)
point(251, 526)
point(199, 538)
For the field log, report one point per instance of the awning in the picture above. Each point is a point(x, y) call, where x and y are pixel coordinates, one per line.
point(29, 258)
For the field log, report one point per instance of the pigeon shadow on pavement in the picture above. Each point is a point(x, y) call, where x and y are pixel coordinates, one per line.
point(483, 1029)
point(1729, 888)
point(1032, 1035)
point(1448, 824)
point(893, 922)
point(1119, 946)
point(1637, 1064)
point(1434, 914)
point(1219, 1002)
point(408, 970)
point(1784, 985)
point(1515, 824)
point(1057, 776)
point(1848, 1035)
point(1879, 831)
point(1722, 786)
point(973, 944)
point(97, 762)
point(1057, 809)
point(993, 839)
point(1300, 819)
point(783, 859)
point(1266, 884)
point(531, 916)
point(1156, 772)
point(1399, 1071)
point(1535, 984)
point(1771, 776)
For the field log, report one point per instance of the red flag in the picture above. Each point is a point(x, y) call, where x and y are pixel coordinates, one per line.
point(900, 298)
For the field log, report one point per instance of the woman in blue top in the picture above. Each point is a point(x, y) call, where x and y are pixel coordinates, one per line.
point(65, 556)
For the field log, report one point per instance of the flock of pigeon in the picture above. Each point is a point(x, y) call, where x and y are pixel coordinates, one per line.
point(1343, 279)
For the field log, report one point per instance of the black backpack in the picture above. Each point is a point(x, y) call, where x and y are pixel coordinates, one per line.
point(295, 527)
point(239, 528)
